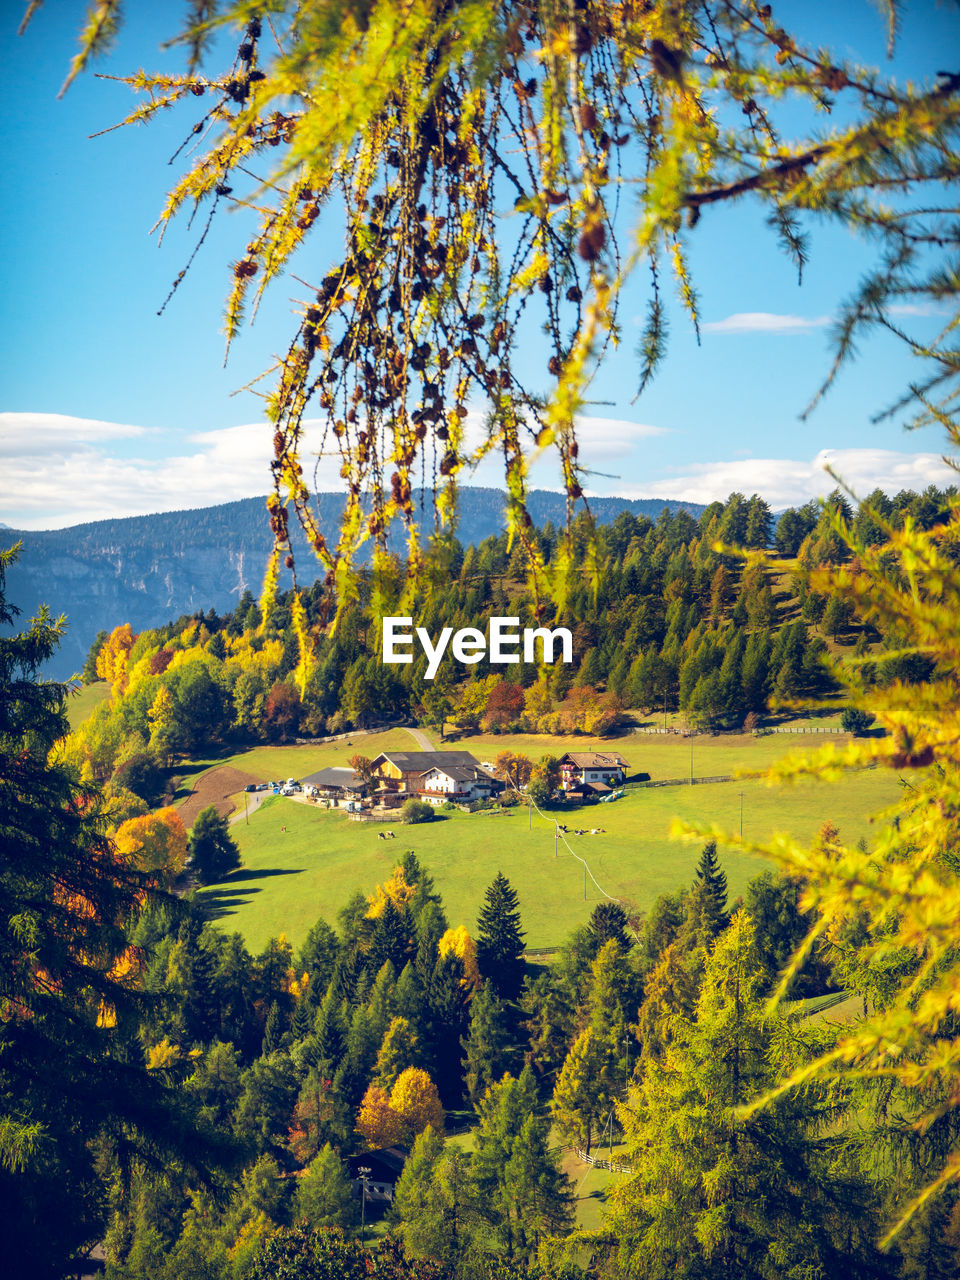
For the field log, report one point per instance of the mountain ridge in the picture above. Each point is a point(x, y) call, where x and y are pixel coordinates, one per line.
point(148, 570)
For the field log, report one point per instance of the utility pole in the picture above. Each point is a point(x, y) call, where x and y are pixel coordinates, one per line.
point(246, 816)
point(741, 815)
point(529, 814)
point(364, 1173)
point(584, 882)
point(556, 838)
point(691, 762)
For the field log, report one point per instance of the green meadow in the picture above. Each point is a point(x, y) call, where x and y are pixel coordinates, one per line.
point(82, 702)
point(291, 877)
point(267, 763)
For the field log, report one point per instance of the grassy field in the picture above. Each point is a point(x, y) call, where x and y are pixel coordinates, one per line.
point(86, 699)
point(292, 877)
point(662, 756)
point(268, 763)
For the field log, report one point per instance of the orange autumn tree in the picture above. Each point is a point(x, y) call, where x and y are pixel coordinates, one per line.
point(377, 1121)
point(156, 843)
point(412, 1104)
point(416, 1102)
point(395, 890)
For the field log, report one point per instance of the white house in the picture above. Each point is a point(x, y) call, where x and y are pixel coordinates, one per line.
point(460, 783)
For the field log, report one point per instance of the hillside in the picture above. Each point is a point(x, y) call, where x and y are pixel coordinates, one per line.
point(147, 569)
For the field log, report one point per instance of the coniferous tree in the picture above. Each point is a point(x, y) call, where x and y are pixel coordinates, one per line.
point(714, 879)
point(500, 939)
point(449, 1012)
point(325, 1196)
point(273, 1031)
point(213, 851)
point(489, 1051)
point(608, 920)
point(522, 1191)
point(717, 1193)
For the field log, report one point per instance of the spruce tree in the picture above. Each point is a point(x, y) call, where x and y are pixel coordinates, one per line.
point(521, 1190)
point(714, 879)
point(609, 920)
point(500, 939)
point(488, 1049)
point(213, 851)
point(391, 942)
point(449, 1005)
point(70, 1066)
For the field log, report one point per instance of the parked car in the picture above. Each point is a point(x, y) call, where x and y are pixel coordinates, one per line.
point(251, 786)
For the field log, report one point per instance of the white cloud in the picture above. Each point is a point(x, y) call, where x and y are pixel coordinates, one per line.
point(916, 309)
point(785, 482)
point(58, 471)
point(37, 433)
point(765, 322)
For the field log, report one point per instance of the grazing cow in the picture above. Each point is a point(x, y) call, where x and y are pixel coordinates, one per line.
point(381, 836)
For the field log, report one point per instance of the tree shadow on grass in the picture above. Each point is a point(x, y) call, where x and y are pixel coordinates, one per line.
point(223, 899)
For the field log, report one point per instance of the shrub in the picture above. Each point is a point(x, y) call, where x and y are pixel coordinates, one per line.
point(855, 721)
point(141, 774)
point(417, 811)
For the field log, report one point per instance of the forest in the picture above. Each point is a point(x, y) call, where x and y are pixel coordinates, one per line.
point(674, 625)
point(201, 1110)
point(461, 167)
point(222, 1102)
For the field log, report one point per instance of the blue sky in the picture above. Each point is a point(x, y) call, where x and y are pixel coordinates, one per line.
point(108, 409)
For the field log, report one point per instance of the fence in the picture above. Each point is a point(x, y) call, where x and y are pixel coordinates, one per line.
point(810, 728)
point(684, 782)
point(354, 733)
point(599, 1163)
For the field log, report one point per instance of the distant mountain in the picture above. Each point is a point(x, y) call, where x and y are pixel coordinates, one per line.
point(147, 570)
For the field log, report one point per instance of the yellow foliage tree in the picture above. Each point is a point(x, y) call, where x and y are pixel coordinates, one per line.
point(113, 658)
point(395, 890)
point(377, 1121)
point(416, 1103)
point(461, 944)
point(900, 898)
point(163, 728)
point(156, 842)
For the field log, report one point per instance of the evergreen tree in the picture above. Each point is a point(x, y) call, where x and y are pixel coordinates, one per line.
point(213, 851)
point(317, 958)
point(391, 942)
point(449, 1012)
point(273, 1031)
point(488, 1048)
point(325, 1195)
point(710, 875)
point(714, 1192)
point(521, 1190)
point(608, 921)
point(435, 1203)
point(500, 939)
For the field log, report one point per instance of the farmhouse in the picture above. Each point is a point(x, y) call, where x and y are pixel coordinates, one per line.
point(382, 1170)
point(337, 784)
point(592, 772)
point(434, 776)
point(459, 783)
